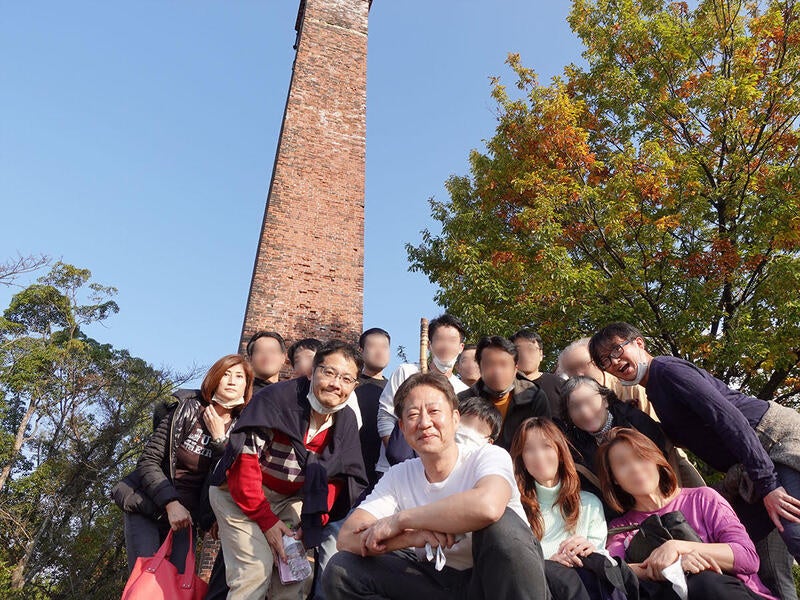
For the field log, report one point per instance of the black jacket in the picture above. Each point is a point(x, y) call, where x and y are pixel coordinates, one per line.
point(150, 487)
point(584, 444)
point(625, 415)
point(284, 407)
point(527, 400)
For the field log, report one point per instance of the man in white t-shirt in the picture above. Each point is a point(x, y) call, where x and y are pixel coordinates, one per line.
point(446, 336)
point(460, 501)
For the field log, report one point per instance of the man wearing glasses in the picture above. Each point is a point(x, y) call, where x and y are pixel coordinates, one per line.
point(294, 451)
point(722, 426)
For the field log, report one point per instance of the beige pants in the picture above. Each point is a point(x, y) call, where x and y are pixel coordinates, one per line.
point(250, 569)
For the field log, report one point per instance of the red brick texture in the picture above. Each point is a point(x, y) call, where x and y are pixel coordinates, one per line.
point(308, 279)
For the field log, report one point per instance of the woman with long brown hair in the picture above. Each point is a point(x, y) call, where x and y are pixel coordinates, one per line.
point(569, 523)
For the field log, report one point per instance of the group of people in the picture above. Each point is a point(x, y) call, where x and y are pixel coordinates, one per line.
point(474, 476)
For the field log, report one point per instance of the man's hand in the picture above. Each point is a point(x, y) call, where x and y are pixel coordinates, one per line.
point(780, 504)
point(419, 537)
point(374, 536)
point(179, 517)
point(274, 537)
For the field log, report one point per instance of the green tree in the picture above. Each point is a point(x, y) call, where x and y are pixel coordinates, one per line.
point(657, 185)
point(74, 413)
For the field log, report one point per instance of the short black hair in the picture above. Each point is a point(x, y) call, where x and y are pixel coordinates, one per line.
point(373, 331)
point(251, 343)
point(526, 333)
point(496, 341)
point(485, 411)
point(304, 344)
point(466, 347)
point(446, 320)
point(619, 329)
point(337, 346)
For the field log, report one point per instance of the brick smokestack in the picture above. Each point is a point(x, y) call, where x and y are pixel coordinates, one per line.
point(308, 279)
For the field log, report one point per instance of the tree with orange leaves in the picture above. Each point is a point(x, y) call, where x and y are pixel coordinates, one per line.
point(659, 185)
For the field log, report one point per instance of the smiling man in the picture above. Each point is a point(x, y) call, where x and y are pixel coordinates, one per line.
point(461, 501)
point(720, 425)
point(293, 459)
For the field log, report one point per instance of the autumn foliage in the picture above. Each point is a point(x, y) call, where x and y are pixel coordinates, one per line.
point(658, 185)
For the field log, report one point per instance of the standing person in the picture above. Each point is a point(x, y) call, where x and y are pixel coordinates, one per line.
point(375, 346)
point(638, 481)
point(728, 430)
point(530, 349)
point(446, 335)
point(165, 490)
point(301, 356)
point(293, 458)
point(460, 500)
point(575, 361)
point(266, 351)
point(467, 367)
point(569, 523)
point(516, 398)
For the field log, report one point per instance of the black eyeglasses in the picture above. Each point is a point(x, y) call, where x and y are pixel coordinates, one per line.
point(616, 352)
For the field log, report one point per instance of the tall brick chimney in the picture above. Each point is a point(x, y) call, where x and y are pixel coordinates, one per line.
point(308, 279)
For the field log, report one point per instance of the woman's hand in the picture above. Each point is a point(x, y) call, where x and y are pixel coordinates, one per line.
point(695, 562)
point(214, 423)
point(576, 545)
point(274, 537)
point(665, 555)
point(571, 549)
point(179, 517)
point(780, 504)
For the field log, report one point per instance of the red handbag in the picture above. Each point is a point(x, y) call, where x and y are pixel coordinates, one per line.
point(155, 578)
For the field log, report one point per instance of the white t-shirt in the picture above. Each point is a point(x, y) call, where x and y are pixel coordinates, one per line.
point(405, 486)
point(386, 416)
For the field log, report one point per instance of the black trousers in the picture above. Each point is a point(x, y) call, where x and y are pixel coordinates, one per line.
point(707, 585)
point(507, 559)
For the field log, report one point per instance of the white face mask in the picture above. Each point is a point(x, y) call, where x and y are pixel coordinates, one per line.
point(641, 371)
point(317, 406)
point(229, 404)
point(444, 366)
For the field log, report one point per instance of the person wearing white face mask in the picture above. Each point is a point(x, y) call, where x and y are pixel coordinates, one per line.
point(176, 460)
point(730, 431)
point(446, 335)
point(293, 464)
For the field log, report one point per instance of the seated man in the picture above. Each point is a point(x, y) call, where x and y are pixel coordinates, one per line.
point(460, 501)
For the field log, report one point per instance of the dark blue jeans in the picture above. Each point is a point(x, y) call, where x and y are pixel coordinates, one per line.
point(144, 536)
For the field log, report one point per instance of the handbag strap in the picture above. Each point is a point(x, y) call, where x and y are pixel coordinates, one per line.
point(163, 552)
point(591, 477)
point(187, 579)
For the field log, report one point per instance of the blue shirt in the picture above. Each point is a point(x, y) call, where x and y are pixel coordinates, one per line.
point(702, 414)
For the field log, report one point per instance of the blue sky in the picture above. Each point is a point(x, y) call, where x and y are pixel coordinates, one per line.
point(137, 140)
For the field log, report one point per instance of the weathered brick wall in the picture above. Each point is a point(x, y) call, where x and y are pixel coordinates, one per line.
point(308, 279)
